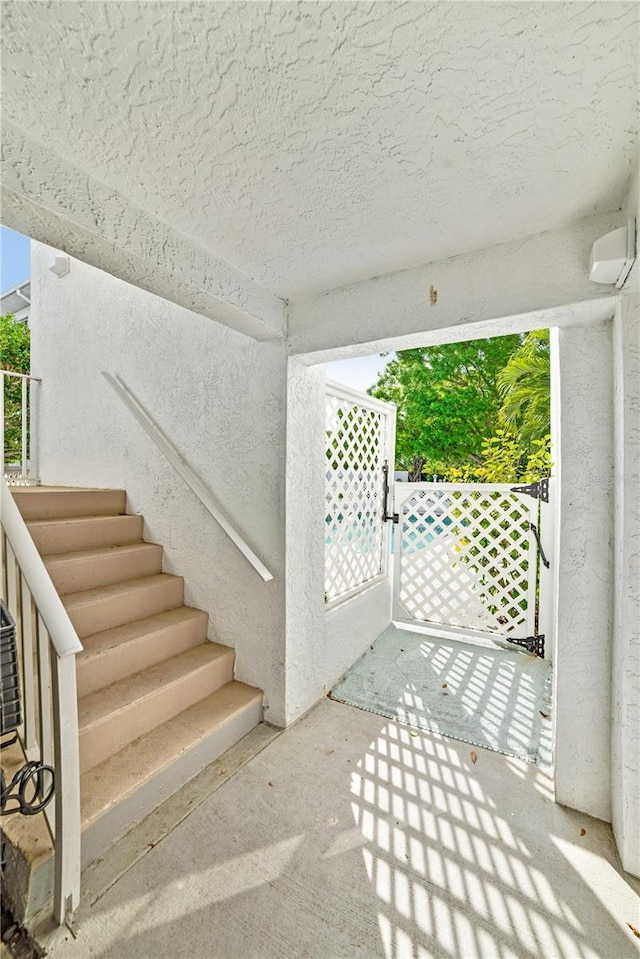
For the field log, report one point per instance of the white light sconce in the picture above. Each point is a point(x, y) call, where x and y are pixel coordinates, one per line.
point(61, 266)
point(613, 255)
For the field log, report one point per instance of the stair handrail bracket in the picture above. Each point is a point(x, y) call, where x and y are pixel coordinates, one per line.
point(48, 645)
point(181, 466)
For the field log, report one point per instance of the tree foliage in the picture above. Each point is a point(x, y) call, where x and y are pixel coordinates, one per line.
point(448, 401)
point(474, 411)
point(525, 384)
point(14, 356)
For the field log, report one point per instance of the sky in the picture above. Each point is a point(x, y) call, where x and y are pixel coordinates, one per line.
point(15, 261)
point(15, 266)
point(359, 373)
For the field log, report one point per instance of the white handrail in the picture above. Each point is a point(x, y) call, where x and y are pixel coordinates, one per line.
point(63, 635)
point(182, 467)
point(50, 676)
point(22, 376)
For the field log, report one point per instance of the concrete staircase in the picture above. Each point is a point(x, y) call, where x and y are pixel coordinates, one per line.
point(156, 700)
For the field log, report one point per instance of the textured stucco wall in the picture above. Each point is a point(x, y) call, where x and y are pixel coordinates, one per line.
point(538, 273)
point(582, 665)
point(305, 486)
point(625, 734)
point(312, 145)
point(219, 396)
point(49, 199)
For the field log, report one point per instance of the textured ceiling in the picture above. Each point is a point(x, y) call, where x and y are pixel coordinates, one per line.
point(314, 144)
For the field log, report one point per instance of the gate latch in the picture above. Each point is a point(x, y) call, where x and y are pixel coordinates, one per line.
point(539, 490)
point(532, 644)
point(387, 516)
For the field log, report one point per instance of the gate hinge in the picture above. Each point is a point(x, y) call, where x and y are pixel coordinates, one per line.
point(539, 490)
point(387, 516)
point(532, 644)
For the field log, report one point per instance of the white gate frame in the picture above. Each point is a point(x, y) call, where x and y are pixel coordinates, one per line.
point(388, 411)
point(404, 491)
point(548, 576)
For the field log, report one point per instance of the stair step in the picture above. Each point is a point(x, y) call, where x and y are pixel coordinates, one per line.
point(53, 536)
point(94, 610)
point(115, 653)
point(112, 717)
point(92, 568)
point(173, 752)
point(59, 502)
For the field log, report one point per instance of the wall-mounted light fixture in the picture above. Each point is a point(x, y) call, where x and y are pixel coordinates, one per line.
point(613, 255)
point(61, 266)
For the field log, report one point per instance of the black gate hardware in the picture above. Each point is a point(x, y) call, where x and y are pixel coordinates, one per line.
point(532, 644)
point(387, 516)
point(534, 529)
point(539, 490)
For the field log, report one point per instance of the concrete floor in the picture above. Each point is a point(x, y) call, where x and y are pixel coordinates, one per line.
point(353, 836)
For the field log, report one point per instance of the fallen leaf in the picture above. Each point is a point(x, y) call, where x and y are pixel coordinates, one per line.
point(544, 715)
point(413, 732)
point(634, 929)
point(583, 832)
point(445, 685)
point(270, 784)
point(474, 756)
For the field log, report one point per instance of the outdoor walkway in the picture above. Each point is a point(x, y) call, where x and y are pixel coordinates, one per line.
point(351, 835)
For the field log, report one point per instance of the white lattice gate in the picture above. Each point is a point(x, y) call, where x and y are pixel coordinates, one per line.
point(360, 438)
point(466, 558)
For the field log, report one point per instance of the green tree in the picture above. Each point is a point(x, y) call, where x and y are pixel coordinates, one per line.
point(14, 356)
point(448, 399)
point(525, 385)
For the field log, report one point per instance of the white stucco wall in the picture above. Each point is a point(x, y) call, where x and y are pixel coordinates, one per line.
point(582, 664)
point(309, 144)
point(305, 537)
point(625, 693)
point(321, 645)
point(351, 627)
point(541, 272)
point(220, 398)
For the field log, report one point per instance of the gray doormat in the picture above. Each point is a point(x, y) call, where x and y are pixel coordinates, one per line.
point(491, 697)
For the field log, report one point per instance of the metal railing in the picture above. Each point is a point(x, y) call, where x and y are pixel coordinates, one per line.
point(47, 644)
point(182, 467)
point(19, 461)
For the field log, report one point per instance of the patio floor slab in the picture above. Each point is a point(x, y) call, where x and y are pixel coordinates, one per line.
point(350, 835)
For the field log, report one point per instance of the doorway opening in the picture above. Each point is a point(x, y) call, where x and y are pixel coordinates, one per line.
point(467, 489)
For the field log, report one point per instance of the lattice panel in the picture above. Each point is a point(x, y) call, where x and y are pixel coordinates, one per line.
point(355, 453)
point(468, 559)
